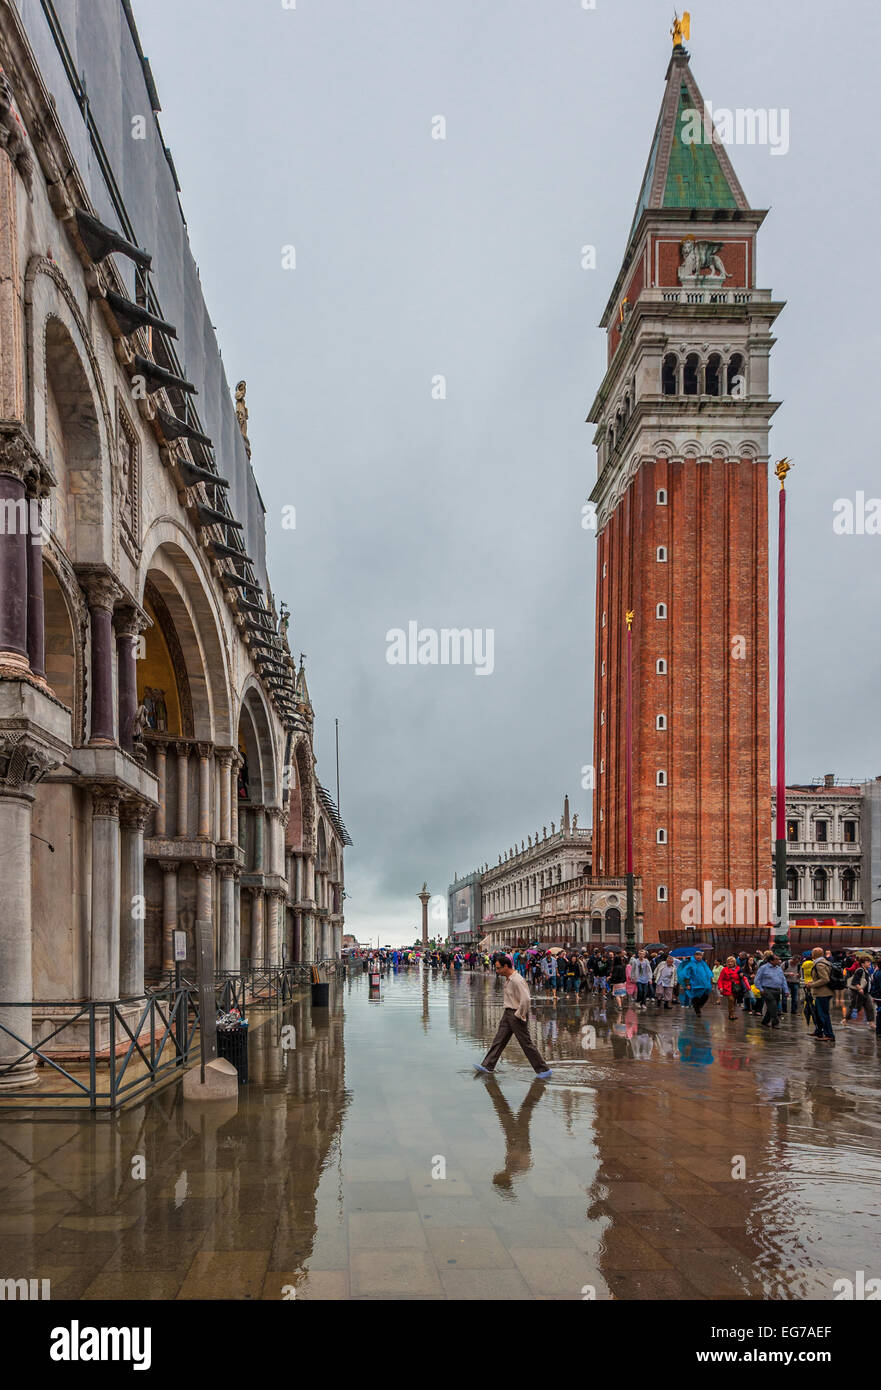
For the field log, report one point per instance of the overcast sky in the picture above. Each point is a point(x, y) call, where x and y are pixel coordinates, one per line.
point(312, 127)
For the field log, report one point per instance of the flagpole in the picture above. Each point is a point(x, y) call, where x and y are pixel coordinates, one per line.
point(781, 926)
point(630, 928)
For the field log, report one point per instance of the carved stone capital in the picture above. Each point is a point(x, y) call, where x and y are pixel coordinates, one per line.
point(182, 750)
point(105, 801)
point(205, 870)
point(204, 749)
point(19, 456)
point(133, 815)
point(130, 621)
point(100, 588)
point(24, 760)
point(169, 866)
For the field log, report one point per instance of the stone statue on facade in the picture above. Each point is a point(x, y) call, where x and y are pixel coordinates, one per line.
point(242, 414)
point(574, 822)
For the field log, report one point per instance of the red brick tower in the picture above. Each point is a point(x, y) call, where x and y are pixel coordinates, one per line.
point(682, 418)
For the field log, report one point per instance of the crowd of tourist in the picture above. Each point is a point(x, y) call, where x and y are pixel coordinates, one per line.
point(758, 983)
point(820, 983)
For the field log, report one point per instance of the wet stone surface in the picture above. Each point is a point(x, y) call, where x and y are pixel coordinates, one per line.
point(667, 1158)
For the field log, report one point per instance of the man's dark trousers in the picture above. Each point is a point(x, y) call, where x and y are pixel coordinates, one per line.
point(823, 1017)
point(772, 1006)
point(509, 1025)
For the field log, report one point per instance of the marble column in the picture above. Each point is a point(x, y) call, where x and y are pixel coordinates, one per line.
point(258, 944)
point(104, 978)
point(101, 592)
point(204, 892)
point(225, 762)
point(272, 933)
point(26, 756)
point(38, 499)
point(169, 914)
point(183, 790)
point(129, 626)
point(160, 822)
point(298, 936)
point(309, 865)
point(205, 750)
point(16, 971)
point(15, 463)
point(227, 937)
point(259, 842)
point(234, 799)
point(237, 910)
point(308, 938)
point(132, 903)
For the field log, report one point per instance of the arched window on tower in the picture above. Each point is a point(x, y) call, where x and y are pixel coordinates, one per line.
point(661, 666)
point(661, 777)
point(661, 611)
point(661, 722)
point(713, 384)
point(661, 555)
point(691, 374)
point(662, 835)
point(662, 497)
point(736, 382)
point(669, 373)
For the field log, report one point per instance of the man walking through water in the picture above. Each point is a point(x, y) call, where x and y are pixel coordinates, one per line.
point(515, 1002)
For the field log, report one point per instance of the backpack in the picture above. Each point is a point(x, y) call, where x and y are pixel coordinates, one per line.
point(836, 976)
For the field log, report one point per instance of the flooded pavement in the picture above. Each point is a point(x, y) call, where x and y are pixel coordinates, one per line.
point(668, 1157)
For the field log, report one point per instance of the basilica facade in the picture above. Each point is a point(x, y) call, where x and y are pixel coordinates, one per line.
point(156, 750)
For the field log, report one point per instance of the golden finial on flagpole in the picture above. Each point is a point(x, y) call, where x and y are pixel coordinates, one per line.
point(628, 618)
point(781, 470)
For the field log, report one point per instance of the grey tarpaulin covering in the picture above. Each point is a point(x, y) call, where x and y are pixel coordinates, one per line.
point(105, 57)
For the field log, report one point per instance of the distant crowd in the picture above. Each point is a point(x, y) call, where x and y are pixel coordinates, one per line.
point(821, 983)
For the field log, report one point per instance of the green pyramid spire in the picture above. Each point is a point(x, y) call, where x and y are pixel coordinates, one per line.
point(684, 171)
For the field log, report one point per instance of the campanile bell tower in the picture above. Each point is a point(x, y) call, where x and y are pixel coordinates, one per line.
point(682, 423)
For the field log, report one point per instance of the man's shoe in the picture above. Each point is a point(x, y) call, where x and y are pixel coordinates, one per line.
point(484, 1071)
point(543, 1075)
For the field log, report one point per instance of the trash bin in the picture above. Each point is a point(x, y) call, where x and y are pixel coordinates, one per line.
point(321, 996)
point(232, 1046)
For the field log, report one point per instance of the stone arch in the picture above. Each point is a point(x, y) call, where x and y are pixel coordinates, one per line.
point(175, 584)
point(258, 744)
point(64, 383)
point(64, 654)
point(720, 449)
point(301, 824)
point(321, 846)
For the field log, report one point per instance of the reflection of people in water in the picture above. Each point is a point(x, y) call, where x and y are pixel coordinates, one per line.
point(518, 1154)
point(694, 1051)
